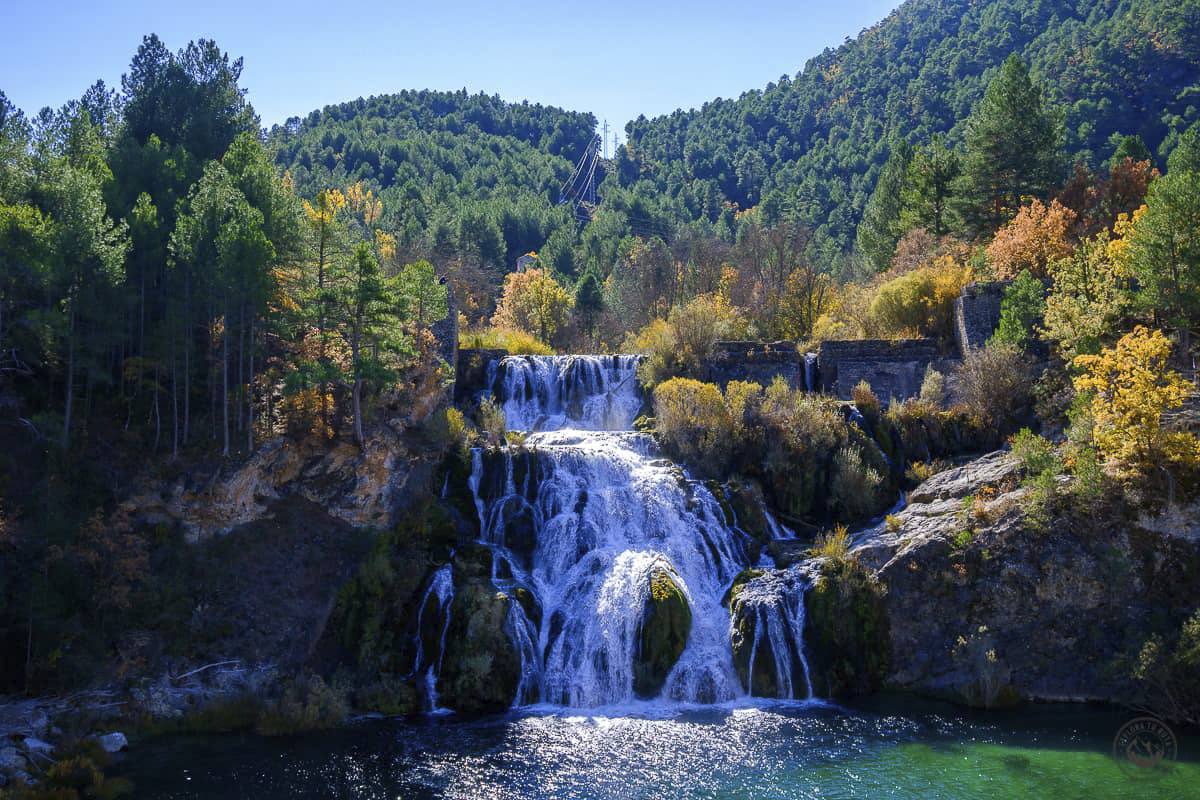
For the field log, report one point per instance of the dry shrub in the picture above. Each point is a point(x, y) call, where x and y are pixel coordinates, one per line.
point(864, 399)
point(995, 385)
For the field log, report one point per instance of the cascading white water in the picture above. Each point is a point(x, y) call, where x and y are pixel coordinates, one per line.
point(544, 393)
point(775, 601)
point(426, 669)
point(584, 516)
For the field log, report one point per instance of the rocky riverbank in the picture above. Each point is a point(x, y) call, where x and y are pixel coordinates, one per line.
point(988, 603)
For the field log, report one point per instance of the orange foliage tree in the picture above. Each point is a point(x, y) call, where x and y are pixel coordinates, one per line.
point(1037, 236)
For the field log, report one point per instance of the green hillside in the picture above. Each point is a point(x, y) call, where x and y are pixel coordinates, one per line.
point(812, 147)
point(446, 164)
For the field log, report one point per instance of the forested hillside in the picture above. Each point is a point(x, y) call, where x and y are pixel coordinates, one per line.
point(813, 146)
point(445, 164)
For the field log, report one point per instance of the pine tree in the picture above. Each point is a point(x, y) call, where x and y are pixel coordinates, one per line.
point(1164, 247)
point(589, 301)
point(929, 189)
point(880, 228)
point(1013, 150)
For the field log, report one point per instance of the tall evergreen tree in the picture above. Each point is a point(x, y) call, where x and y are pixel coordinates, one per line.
point(1164, 246)
point(880, 228)
point(1013, 149)
point(929, 189)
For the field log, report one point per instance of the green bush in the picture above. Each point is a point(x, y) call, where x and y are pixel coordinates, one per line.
point(1036, 453)
point(306, 705)
point(1021, 311)
point(933, 388)
point(1168, 671)
point(491, 421)
point(855, 486)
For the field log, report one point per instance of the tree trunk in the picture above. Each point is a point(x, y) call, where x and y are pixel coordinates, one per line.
point(241, 364)
point(66, 434)
point(250, 394)
point(358, 432)
point(187, 352)
point(157, 413)
point(174, 405)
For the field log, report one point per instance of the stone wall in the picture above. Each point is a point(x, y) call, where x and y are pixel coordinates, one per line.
point(756, 361)
point(977, 313)
point(892, 368)
point(446, 331)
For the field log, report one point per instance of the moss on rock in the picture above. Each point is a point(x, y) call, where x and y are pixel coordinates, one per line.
point(663, 632)
point(480, 667)
point(847, 629)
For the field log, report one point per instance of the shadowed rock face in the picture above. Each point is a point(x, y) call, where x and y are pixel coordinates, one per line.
point(1057, 606)
point(480, 668)
point(665, 626)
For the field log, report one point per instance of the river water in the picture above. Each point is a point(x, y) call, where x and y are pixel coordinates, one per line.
point(891, 747)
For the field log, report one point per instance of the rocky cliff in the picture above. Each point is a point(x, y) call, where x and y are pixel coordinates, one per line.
point(988, 604)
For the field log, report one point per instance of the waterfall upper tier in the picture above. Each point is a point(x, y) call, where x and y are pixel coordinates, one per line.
point(585, 392)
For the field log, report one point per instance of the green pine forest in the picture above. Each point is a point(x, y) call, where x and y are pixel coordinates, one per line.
point(179, 284)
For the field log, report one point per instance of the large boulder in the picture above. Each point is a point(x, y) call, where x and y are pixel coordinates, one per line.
point(663, 632)
point(481, 669)
point(846, 629)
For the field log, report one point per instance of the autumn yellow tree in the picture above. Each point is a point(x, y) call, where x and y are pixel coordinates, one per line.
point(1036, 237)
point(1131, 387)
point(535, 303)
point(921, 302)
point(1087, 299)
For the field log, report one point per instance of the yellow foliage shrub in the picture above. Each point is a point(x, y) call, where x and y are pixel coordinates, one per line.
point(693, 421)
point(518, 343)
point(1131, 388)
point(922, 301)
point(303, 413)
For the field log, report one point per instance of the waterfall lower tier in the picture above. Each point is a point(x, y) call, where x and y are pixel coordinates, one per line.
point(766, 629)
point(618, 546)
point(433, 619)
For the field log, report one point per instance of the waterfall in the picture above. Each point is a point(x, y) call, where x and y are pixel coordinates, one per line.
point(540, 393)
point(427, 667)
point(810, 372)
point(626, 558)
point(774, 601)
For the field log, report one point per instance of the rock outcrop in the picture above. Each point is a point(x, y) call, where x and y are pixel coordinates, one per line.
point(367, 487)
point(481, 668)
point(663, 633)
point(986, 606)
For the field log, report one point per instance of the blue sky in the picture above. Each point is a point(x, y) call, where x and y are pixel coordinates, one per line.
point(615, 59)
